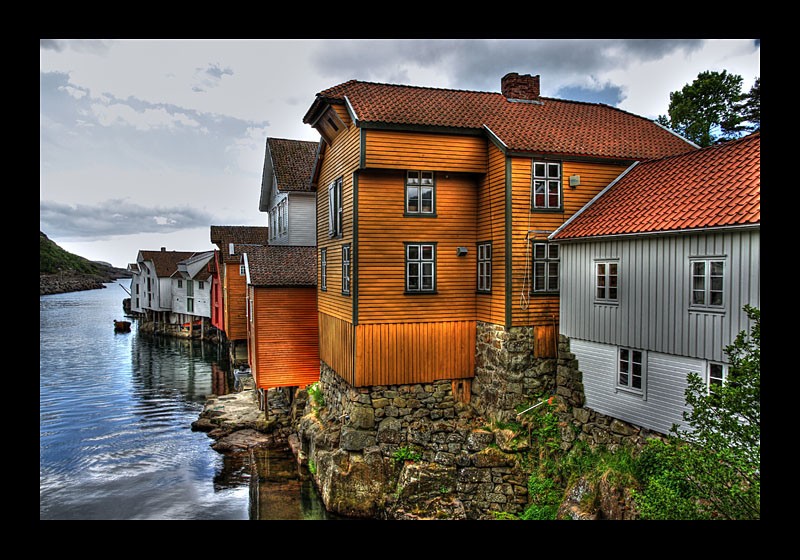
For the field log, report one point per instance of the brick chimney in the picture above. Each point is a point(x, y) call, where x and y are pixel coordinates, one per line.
point(514, 86)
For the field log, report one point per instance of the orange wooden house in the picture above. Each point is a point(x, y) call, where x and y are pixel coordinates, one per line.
point(281, 278)
point(433, 211)
point(282, 331)
point(231, 240)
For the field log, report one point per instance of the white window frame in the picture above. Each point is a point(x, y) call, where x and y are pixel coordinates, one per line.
point(419, 181)
point(723, 378)
point(485, 267)
point(707, 286)
point(627, 357)
point(546, 176)
point(547, 259)
point(607, 276)
point(421, 255)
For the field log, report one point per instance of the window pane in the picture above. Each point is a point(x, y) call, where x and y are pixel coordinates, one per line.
point(552, 276)
point(480, 252)
point(427, 252)
point(413, 252)
point(636, 382)
point(553, 170)
point(538, 169)
point(612, 293)
point(553, 251)
point(413, 177)
point(413, 276)
point(699, 268)
point(612, 268)
point(427, 199)
point(623, 379)
point(716, 268)
point(427, 177)
point(623, 355)
point(601, 269)
point(539, 250)
point(716, 298)
point(413, 199)
point(538, 276)
point(698, 297)
point(488, 251)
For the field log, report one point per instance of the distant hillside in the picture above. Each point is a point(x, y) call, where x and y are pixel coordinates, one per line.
point(61, 271)
point(52, 258)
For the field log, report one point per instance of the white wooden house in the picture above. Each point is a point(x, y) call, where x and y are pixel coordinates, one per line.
point(191, 289)
point(287, 195)
point(655, 271)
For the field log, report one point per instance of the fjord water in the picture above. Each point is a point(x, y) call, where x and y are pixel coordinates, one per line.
point(115, 411)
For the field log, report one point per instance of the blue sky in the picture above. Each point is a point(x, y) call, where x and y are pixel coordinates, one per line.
point(146, 143)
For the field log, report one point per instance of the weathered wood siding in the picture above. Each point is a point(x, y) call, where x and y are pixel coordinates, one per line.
point(339, 160)
point(418, 150)
point(284, 336)
point(382, 231)
point(235, 300)
point(405, 353)
point(665, 400)
point(336, 344)
point(544, 309)
point(654, 311)
point(490, 307)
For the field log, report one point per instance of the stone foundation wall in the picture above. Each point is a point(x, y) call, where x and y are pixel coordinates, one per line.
point(460, 465)
point(351, 443)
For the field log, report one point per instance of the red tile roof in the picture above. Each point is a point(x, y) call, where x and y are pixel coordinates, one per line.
point(712, 187)
point(166, 262)
point(546, 125)
point(223, 236)
point(282, 265)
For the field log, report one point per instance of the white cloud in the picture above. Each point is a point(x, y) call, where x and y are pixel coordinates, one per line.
point(148, 119)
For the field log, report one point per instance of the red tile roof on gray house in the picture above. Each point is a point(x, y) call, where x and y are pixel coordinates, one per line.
point(718, 186)
point(518, 117)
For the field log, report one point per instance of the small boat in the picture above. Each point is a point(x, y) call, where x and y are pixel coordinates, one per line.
point(122, 326)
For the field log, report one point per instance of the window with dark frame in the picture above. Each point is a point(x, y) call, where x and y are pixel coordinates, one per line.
point(335, 208)
point(420, 267)
point(323, 269)
point(485, 267)
point(546, 267)
point(346, 268)
point(420, 193)
point(546, 184)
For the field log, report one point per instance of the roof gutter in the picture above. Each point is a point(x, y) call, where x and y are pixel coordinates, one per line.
point(598, 195)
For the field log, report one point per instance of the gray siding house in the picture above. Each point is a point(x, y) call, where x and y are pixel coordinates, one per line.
point(655, 272)
point(287, 195)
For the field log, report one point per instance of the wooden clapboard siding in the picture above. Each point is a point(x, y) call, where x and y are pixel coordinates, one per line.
point(382, 231)
point(235, 303)
point(336, 344)
point(406, 353)
point(543, 310)
point(418, 150)
point(284, 336)
point(339, 160)
point(491, 227)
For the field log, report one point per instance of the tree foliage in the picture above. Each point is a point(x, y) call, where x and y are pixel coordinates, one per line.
point(712, 470)
point(713, 102)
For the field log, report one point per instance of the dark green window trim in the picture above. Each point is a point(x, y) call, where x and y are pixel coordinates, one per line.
point(346, 268)
point(484, 262)
point(412, 256)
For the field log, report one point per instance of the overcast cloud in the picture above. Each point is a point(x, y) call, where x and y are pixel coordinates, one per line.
point(151, 141)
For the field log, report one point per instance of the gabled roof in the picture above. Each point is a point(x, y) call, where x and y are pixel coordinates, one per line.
point(718, 186)
point(166, 262)
point(290, 163)
point(544, 125)
point(282, 265)
point(223, 236)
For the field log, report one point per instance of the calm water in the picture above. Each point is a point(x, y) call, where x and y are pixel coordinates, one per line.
point(114, 426)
